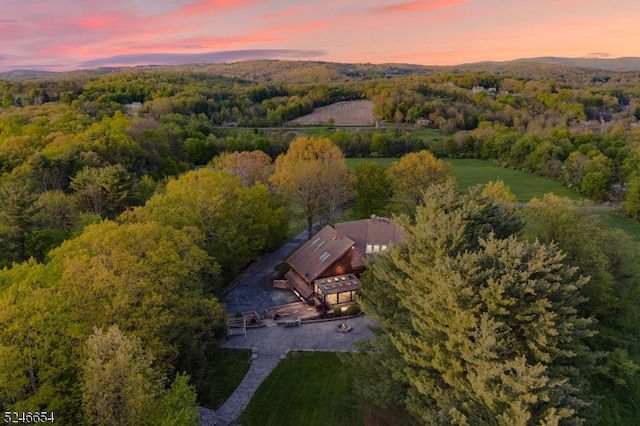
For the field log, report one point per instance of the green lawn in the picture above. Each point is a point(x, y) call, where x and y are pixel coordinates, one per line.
point(630, 226)
point(231, 365)
point(353, 162)
point(525, 186)
point(308, 388)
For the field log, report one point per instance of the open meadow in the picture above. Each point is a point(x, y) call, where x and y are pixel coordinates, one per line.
point(525, 186)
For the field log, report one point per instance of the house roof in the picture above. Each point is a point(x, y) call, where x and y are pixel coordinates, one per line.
point(338, 284)
point(375, 231)
point(319, 253)
point(299, 284)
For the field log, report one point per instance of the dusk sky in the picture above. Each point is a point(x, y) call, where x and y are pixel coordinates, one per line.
point(60, 35)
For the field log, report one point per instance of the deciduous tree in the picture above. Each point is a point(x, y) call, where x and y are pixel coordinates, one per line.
point(252, 166)
point(414, 173)
point(119, 385)
point(371, 189)
point(314, 175)
point(233, 223)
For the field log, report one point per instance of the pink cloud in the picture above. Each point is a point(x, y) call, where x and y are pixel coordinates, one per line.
point(284, 13)
point(420, 5)
point(92, 22)
point(206, 7)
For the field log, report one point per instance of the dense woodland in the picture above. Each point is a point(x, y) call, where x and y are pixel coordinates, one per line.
point(105, 224)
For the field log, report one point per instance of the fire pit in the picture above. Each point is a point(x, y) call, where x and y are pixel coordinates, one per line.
point(344, 328)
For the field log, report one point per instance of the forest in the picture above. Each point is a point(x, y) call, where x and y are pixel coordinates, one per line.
point(108, 217)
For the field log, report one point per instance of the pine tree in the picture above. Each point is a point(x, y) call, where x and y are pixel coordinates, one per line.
point(485, 330)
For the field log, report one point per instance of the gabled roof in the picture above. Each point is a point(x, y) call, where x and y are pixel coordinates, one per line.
point(319, 253)
point(375, 231)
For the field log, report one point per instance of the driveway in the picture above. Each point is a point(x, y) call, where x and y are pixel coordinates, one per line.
point(271, 344)
point(250, 292)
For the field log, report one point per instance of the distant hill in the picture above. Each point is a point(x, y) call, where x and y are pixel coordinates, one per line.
point(579, 69)
point(606, 64)
point(23, 75)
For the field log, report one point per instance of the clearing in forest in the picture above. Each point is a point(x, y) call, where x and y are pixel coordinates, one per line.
point(346, 113)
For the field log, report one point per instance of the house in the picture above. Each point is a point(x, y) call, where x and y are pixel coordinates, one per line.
point(327, 266)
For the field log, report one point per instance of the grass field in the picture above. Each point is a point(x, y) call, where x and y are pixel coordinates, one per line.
point(613, 220)
point(525, 186)
point(230, 367)
point(305, 389)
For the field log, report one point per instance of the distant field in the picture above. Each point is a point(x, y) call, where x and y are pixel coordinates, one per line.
point(346, 113)
point(524, 185)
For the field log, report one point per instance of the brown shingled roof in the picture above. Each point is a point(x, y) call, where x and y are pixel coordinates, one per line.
point(378, 230)
point(319, 253)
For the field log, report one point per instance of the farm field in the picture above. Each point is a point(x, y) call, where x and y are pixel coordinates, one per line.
point(346, 113)
point(613, 220)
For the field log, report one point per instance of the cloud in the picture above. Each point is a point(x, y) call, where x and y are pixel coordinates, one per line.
point(284, 13)
point(191, 58)
point(419, 5)
point(207, 7)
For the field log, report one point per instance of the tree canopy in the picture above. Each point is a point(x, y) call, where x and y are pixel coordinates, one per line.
point(479, 329)
point(313, 174)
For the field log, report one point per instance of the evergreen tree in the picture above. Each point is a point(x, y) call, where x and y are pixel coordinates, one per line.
point(484, 330)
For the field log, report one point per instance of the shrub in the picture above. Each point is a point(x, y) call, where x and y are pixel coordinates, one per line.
point(238, 315)
point(282, 268)
point(337, 311)
point(353, 310)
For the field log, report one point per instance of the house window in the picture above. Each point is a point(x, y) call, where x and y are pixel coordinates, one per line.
point(369, 249)
point(324, 256)
point(332, 299)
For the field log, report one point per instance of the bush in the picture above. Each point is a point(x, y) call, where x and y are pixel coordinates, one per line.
point(282, 268)
point(353, 310)
point(238, 315)
point(337, 311)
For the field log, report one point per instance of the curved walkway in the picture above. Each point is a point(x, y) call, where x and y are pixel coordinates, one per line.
point(272, 344)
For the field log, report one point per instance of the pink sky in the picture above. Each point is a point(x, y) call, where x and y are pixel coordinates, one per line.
point(69, 34)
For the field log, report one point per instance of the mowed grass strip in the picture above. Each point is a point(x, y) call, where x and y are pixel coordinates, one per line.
point(307, 388)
